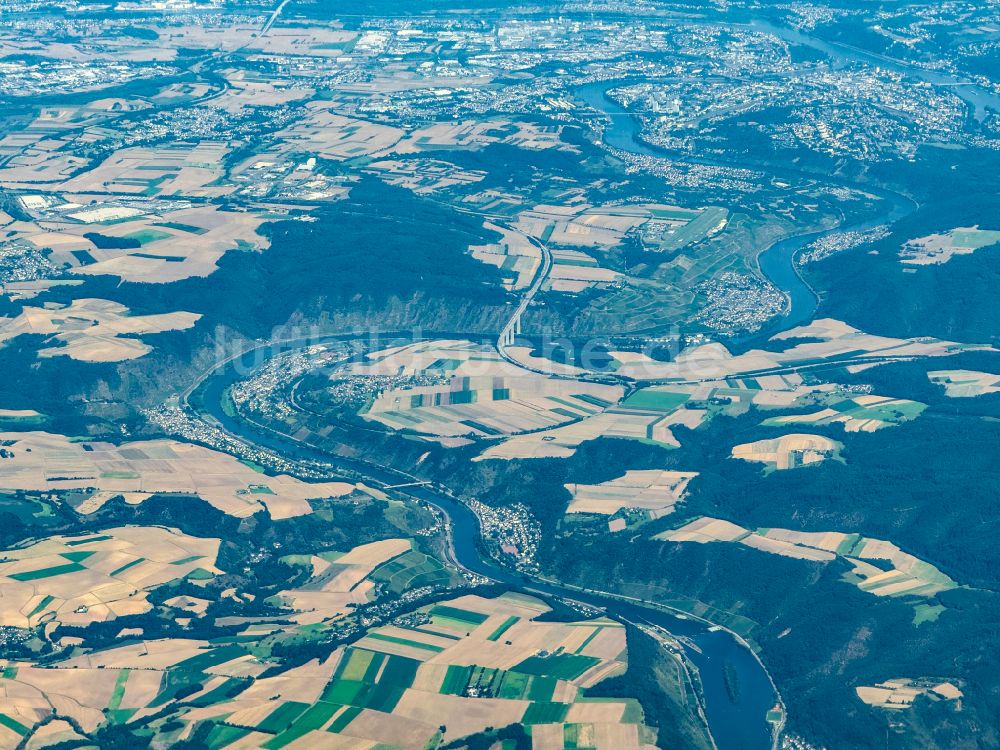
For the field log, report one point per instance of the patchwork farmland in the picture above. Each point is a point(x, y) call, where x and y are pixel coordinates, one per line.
point(879, 567)
point(101, 470)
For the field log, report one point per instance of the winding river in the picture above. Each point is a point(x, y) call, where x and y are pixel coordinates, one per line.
point(776, 262)
point(737, 719)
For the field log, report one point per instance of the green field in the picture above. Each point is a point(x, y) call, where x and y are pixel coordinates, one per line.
point(313, 718)
point(405, 642)
point(503, 628)
point(147, 236)
point(411, 570)
point(55, 570)
point(190, 229)
point(282, 717)
point(665, 401)
point(545, 713)
point(561, 666)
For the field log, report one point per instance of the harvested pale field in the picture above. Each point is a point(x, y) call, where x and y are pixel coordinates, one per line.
point(547, 737)
point(92, 330)
point(152, 655)
point(935, 249)
point(704, 530)
point(653, 490)
point(488, 406)
point(965, 383)
point(43, 461)
point(605, 712)
point(304, 39)
point(832, 541)
point(457, 388)
point(393, 729)
point(21, 290)
point(838, 341)
point(440, 358)
point(338, 581)
point(866, 413)
point(523, 355)
point(180, 169)
point(789, 451)
point(900, 693)
point(908, 575)
point(331, 136)
point(786, 549)
point(583, 225)
point(475, 134)
point(462, 716)
point(174, 244)
point(54, 733)
point(246, 92)
point(518, 258)
point(79, 580)
point(36, 160)
point(623, 421)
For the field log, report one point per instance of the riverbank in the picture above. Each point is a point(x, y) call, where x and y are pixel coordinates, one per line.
point(735, 725)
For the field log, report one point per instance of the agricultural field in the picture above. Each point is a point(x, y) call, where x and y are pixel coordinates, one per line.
point(449, 670)
point(644, 424)
point(139, 240)
point(489, 406)
point(570, 228)
point(965, 383)
point(681, 256)
point(879, 567)
point(191, 170)
point(335, 137)
point(477, 134)
point(655, 491)
point(574, 271)
point(604, 227)
point(338, 580)
point(438, 358)
point(900, 693)
point(517, 258)
point(789, 451)
point(837, 341)
point(96, 577)
point(410, 570)
point(651, 413)
point(935, 249)
point(42, 151)
point(865, 413)
point(92, 330)
point(43, 461)
point(289, 183)
point(499, 399)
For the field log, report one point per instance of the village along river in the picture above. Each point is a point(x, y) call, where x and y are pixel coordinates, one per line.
point(737, 690)
point(776, 262)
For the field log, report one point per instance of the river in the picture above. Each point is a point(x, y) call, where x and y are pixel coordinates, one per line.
point(776, 262)
point(737, 719)
point(737, 722)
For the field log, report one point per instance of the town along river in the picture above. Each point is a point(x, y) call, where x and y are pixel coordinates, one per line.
point(738, 691)
point(776, 262)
